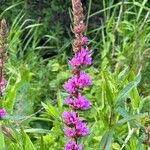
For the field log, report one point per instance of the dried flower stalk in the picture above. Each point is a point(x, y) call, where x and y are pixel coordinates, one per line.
point(3, 33)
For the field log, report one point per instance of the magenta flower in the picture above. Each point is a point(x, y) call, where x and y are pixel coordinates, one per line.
point(2, 112)
point(83, 80)
point(69, 132)
point(79, 130)
point(77, 82)
point(70, 118)
point(71, 145)
point(78, 103)
point(84, 40)
point(69, 86)
point(81, 58)
point(3, 82)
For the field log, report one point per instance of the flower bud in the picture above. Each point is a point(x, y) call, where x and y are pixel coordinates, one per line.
point(79, 28)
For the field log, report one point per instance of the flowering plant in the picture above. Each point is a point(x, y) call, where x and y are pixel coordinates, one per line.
point(75, 127)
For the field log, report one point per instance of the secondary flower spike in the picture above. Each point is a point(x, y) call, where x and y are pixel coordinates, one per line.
point(75, 127)
point(2, 112)
point(3, 33)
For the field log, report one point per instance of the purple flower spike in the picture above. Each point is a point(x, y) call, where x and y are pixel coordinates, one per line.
point(70, 118)
point(81, 58)
point(74, 125)
point(71, 145)
point(2, 112)
point(78, 103)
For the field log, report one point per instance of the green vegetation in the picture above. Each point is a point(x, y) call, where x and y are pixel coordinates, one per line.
point(39, 46)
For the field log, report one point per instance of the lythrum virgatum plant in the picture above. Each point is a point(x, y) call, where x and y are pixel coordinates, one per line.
point(75, 126)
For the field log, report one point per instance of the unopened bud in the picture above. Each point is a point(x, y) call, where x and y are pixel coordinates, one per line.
point(79, 28)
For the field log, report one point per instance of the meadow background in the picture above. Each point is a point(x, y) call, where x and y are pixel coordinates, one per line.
point(38, 49)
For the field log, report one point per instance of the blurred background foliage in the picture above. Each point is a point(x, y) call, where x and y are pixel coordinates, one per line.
point(39, 46)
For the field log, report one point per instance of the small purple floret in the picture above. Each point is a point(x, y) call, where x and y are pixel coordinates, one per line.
point(83, 80)
point(70, 118)
point(81, 58)
point(71, 145)
point(69, 132)
point(78, 103)
point(69, 86)
point(84, 40)
point(77, 82)
point(80, 82)
point(79, 130)
point(2, 112)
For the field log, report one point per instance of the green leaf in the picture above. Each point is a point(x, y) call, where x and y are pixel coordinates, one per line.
point(55, 67)
point(134, 95)
point(103, 140)
point(39, 131)
point(27, 144)
point(135, 98)
point(112, 37)
point(109, 141)
point(11, 98)
point(116, 146)
point(2, 142)
point(50, 109)
point(127, 89)
point(106, 141)
point(10, 7)
point(131, 117)
point(42, 145)
point(11, 95)
point(123, 112)
point(108, 88)
point(122, 74)
point(141, 9)
point(59, 99)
